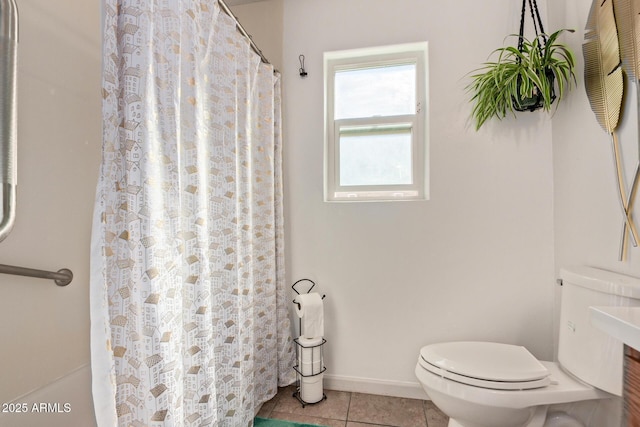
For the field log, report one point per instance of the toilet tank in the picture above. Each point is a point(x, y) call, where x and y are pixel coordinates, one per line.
point(584, 350)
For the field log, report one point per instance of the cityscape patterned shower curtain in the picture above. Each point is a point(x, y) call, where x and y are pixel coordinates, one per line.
point(189, 309)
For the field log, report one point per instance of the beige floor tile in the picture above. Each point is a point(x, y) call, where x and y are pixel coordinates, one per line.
point(362, 410)
point(264, 412)
point(352, 424)
point(302, 418)
point(335, 407)
point(286, 391)
point(268, 406)
point(387, 411)
point(435, 417)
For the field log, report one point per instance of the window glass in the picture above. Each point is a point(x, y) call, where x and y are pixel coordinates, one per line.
point(375, 91)
point(376, 146)
point(375, 157)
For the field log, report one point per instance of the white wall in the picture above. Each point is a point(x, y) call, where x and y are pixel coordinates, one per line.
point(45, 328)
point(473, 263)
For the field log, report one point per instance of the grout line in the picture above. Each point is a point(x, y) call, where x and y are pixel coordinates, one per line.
point(348, 408)
point(424, 409)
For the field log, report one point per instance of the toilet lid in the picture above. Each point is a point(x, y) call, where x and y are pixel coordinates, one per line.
point(485, 364)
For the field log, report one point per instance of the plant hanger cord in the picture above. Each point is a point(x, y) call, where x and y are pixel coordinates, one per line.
point(538, 100)
point(537, 23)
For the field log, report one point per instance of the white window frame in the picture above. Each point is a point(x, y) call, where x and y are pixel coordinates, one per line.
point(412, 53)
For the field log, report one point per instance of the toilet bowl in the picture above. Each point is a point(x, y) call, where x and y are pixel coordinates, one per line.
point(485, 384)
point(480, 384)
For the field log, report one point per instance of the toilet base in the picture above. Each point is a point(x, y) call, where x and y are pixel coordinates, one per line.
point(561, 419)
point(536, 419)
point(552, 419)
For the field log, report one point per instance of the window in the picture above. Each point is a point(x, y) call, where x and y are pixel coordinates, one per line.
point(375, 114)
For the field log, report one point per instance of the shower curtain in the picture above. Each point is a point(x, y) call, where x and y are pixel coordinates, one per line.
point(189, 309)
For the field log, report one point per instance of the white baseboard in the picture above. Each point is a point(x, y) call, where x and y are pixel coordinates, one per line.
point(404, 389)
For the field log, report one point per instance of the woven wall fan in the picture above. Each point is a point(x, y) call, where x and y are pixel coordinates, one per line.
point(604, 84)
point(627, 13)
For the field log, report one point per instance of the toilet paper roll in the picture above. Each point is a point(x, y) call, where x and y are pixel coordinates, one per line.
point(310, 355)
point(311, 389)
point(311, 314)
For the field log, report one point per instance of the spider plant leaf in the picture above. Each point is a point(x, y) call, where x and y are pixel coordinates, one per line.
point(603, 77)
point(627, 14)
point(562, 75)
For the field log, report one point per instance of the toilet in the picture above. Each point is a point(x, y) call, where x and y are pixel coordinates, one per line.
point(486, 384)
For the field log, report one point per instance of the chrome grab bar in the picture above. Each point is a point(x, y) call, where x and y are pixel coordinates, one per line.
point(9, 140)
point(8, 113)
point(62, 277)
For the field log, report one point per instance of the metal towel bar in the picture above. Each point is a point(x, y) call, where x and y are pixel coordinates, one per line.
point(8, 114)
point(62, 277)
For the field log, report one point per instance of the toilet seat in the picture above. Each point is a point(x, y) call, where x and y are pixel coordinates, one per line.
point(484, 364)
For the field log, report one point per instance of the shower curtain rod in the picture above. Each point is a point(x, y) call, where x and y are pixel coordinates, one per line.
point(254, 46)
point(62, 277)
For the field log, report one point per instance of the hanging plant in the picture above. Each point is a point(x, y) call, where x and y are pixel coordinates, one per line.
point(524, 77)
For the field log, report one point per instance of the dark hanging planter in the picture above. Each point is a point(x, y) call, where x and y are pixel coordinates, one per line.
point(526, 77)
point(536, 101)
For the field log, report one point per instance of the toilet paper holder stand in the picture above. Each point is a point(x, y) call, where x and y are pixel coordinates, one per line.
point(313, 284)
point(301, 376)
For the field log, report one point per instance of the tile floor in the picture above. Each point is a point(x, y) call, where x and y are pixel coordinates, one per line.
point(344, 409)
